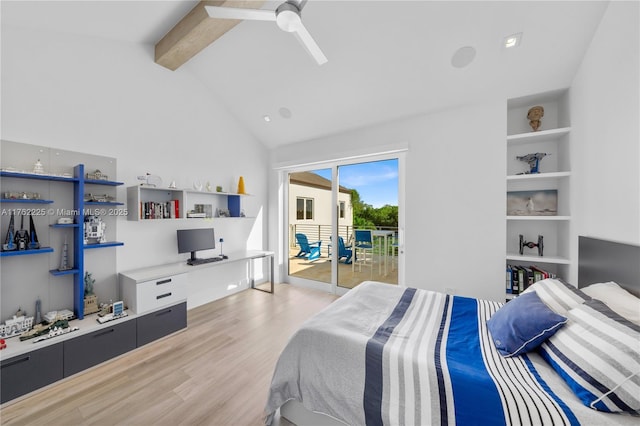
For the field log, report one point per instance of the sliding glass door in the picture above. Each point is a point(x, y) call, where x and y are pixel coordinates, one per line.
point(344, 223)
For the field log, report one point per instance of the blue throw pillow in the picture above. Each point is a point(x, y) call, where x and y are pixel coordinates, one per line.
point(522, 324)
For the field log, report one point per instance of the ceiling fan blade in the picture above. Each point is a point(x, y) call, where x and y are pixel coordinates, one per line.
point(238, 13)
point(309, 43)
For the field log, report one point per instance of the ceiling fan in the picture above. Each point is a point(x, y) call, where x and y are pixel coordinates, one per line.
point(287, 16)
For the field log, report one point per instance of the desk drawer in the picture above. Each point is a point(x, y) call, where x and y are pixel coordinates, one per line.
point(155, 294)
point(161, 323)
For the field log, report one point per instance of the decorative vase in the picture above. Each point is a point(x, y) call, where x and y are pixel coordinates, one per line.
point(241, 185)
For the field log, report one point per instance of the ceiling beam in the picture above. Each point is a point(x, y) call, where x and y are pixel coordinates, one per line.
point(196, 31)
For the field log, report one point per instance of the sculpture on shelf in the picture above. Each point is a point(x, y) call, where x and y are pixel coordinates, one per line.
point(64, 257)
point(33, 240)
point(241, 185)
point(38, 311)
point(94, 230)
point(97, 175)
point(534, 115)
point(21, 238)
point(38, 168)
point(90, 299)
point(9, 244)
point(533, 160)
point(531, 245)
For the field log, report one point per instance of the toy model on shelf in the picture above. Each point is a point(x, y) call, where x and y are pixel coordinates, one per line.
point(531, 244)
point(94, 230)
point(9, 243)
point(17, 325)
point(533, 160)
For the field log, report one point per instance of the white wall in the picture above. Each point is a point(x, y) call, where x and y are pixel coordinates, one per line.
point(606, 129)
point(109, 98)
point(455, 192)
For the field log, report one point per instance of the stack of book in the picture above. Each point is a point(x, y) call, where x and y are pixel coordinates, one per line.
point(519, 278)
point(160, 210)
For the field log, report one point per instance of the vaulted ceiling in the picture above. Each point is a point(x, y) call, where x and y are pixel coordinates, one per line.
point(386, 59)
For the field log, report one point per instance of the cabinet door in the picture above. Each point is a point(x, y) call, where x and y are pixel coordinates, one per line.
point(101, 345)
point(24, 373)
point(161, 323)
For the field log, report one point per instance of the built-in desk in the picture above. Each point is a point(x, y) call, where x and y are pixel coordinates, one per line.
point(151, 288)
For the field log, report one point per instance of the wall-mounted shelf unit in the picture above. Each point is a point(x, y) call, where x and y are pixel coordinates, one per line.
point(79, 207)
point(553, 140)
point(148, 203)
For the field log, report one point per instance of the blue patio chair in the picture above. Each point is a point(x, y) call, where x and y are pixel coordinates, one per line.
point(310, 251)
point(363, 245)
point(343, 251)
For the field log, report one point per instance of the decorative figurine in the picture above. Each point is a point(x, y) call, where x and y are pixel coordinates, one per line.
point(38, 168)
point(172, 185)
point(534, 115)
point(9, 244)
point(16, 325)
point(218, 188)
point(90, 299)
point(208, 187)
point(94, 229)
point(97, 175)
point(241, 185)
point(64, 257)
point(38, 311)
point(22, 236)
point(33, 241)
point(531, 245)
point(533, 160)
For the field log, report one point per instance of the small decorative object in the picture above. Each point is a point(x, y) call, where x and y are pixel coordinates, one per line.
point(9, 244)
point(221, 240)
point(206, 209)
point(533, 160)
point(531, 245)
point(100, 198)
point(534, 115)
point(150, 180)
point(38, 311)
point(3, 344)
point(94, 230)
point(242, 214)
point(90, 299)
point(116, 311)
point(197, 185)
point(64, 257)
point(65, 221)
point(223, 213)
point(532, 203)
point(241, 185)
point(21, 195)
point(38, 168)
point(97, 175)
point(218, 188)
point(16, 325)
point(33, 240)
point(22, 236)
point(172, 185)
point(208, 187)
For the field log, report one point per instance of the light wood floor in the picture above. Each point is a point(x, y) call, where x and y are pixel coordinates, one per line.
point(217, 372)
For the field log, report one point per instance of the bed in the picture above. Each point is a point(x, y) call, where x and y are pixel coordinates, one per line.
point(383, 354)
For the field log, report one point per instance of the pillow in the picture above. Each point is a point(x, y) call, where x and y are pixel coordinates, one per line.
point(558, 295)
point(598, 354)
point(617, 298)
point(522, 324)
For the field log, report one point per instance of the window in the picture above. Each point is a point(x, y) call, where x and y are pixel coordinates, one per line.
point(342, 207)
point(304, 208)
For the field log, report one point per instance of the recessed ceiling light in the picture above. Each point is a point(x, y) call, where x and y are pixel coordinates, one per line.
point(285, 112)
point(512, 41)
point(266, 118)
point(463, 57)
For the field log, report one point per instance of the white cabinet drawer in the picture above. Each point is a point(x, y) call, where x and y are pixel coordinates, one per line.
point(147, 296)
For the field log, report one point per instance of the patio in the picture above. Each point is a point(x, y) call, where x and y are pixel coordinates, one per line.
point(320, 270)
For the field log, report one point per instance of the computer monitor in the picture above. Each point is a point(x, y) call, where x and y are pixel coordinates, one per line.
point(193, 240)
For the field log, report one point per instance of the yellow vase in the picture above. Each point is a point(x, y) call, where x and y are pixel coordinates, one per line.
point(241, 185)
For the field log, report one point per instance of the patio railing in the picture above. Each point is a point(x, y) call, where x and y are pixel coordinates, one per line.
point(323, 233)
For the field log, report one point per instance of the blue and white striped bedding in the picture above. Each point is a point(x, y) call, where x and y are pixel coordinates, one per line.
point(384, 355)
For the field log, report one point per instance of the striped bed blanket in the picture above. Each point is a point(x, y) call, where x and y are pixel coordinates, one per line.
point(385, 355)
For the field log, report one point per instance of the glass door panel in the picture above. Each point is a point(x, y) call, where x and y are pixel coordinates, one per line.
point(368, 222)
point(310, 218)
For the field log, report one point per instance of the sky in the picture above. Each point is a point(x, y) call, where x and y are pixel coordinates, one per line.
point(376, 182)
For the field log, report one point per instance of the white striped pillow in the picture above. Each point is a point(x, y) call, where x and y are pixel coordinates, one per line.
point(598, 354)
point(558, 295)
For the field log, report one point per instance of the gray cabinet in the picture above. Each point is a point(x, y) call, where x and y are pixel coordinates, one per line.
point(161, 323)
point(24, 373)
point(101, 345)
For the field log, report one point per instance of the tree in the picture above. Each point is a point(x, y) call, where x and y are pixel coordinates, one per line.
point(367, 216)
